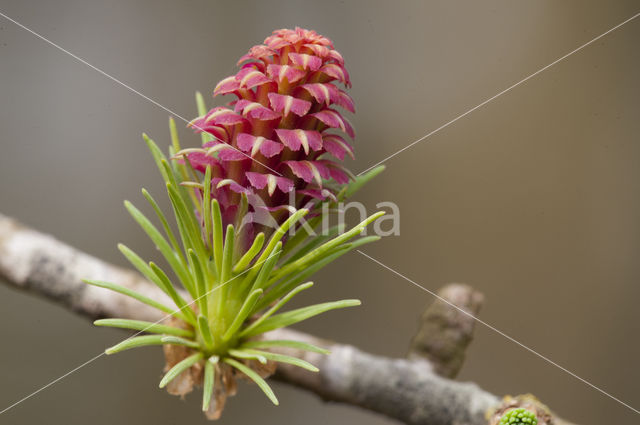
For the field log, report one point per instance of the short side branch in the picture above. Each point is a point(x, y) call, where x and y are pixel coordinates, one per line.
point(445, 332)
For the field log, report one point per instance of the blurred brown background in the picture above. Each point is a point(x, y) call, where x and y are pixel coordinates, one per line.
point(533, 199)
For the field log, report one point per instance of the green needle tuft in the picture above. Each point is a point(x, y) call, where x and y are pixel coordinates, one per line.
point(250, 223)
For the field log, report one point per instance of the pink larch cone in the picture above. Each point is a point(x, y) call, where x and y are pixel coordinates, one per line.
point(282, 133)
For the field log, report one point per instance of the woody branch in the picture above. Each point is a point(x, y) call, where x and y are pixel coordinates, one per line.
point(416, 390)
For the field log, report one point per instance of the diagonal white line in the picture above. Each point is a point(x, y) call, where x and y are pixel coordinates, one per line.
point(501, 93)
point(378, 163)
point(135, 334)
point(128, 87)
point(53, 382)
point(531, 350)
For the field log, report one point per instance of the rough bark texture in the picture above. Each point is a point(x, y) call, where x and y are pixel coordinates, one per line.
point(445, 333)
point(407, 390)
point(414, 391)
point(45, 266)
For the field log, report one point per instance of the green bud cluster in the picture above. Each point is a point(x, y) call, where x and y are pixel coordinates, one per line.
point(519, 417)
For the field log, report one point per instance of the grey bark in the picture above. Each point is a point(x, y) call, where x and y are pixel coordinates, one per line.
point(414, 390)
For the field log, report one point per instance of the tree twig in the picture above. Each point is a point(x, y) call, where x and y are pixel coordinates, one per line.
point(414, 391)
point(445, 332)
